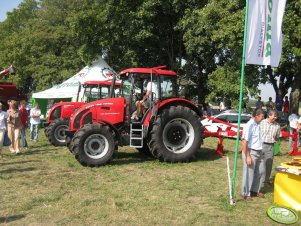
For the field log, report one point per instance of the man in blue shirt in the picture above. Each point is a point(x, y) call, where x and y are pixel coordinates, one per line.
point(252, 141)
point(279, 103)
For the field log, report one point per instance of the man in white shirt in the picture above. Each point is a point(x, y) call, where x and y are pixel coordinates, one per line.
point(145, 103)
point(293, 126)
point(299, 129)
point(3, 127)
point(35, 115)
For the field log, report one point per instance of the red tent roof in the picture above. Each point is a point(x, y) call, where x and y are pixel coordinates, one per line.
point(148, 71)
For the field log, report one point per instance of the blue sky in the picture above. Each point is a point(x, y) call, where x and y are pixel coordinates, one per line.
point(7, 6)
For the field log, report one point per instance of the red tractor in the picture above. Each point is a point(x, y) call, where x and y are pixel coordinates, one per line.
point(8, 90)
point(170, 129)
point(59, 114)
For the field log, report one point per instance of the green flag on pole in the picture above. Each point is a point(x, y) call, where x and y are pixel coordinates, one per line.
point(262, 43)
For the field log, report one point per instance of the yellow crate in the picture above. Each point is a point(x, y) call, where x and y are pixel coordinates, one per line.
point(287, 188)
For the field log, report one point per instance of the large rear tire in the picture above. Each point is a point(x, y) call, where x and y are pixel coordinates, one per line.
point(68, 143)
point(176, 135)
point(94, 145)
point(55, 132)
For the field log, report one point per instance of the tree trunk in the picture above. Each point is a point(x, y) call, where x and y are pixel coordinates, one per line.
point(294, 100)
point(295, 97)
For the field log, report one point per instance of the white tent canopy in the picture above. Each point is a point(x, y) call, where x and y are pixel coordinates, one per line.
point(98, 71)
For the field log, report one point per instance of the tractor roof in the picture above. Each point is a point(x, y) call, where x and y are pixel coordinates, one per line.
point(154, 71)
point(104, 83)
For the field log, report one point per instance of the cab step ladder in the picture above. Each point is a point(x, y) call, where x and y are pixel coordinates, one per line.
point(136, 135)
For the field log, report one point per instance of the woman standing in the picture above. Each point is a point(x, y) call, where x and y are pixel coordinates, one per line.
point(35, 115)
point(3, 126)
point(13, 126)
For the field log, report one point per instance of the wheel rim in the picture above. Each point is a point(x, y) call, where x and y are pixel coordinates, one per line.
point(96, 146)
point(178, 135)
point(59, 133)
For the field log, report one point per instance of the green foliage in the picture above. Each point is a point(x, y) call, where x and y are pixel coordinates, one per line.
point(49, 40)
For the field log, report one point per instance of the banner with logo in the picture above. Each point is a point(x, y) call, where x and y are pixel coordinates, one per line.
point(264, 33)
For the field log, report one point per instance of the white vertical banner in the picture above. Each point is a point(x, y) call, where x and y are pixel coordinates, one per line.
point(264, 33)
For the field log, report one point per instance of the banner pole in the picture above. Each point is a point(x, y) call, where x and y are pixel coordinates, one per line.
point(240, 98)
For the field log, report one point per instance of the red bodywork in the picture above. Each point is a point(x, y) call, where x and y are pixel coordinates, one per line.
point(109, 110)
point(65, 109)
point(113, 111)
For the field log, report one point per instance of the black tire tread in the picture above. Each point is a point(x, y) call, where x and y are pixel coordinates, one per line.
point(75, 144)
point(49, 131)
point(156, 145)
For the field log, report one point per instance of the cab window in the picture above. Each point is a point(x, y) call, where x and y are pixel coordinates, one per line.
point(221, 117)
point(244, 119)
point(126, 88)
point(233, 118)
point(104, 92)
point(168, 87)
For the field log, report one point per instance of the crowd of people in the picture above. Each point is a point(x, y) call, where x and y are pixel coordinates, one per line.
point(258, 139)
point(282, 106)
point(13, 124)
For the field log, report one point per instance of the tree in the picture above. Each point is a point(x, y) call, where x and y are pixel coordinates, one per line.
point(41, 45)
point(213, 37)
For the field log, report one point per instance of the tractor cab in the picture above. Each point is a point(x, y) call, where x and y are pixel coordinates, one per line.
point(96, 90)
point(136, 83)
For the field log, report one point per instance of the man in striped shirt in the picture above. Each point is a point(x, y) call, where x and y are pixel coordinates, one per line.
point(270, 131)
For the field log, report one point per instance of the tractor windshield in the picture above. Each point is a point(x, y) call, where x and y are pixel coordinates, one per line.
point(93, 93)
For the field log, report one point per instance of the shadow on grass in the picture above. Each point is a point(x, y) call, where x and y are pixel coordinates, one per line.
point(123, 158)
point(37, 152)
point(207, 154)
point(269, 188)
point(11, 218)
point(43, 145)
point(17, 170)
point(20, 162)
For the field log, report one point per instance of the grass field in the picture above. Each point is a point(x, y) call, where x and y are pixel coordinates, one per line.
point(45, 185)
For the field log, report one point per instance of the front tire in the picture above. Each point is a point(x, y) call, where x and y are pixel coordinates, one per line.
point(176, 135)
point(55, 132)
point(94, 145)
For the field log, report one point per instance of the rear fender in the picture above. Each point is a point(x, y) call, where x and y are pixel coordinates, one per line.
point(160, 106)
point(83, 118)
